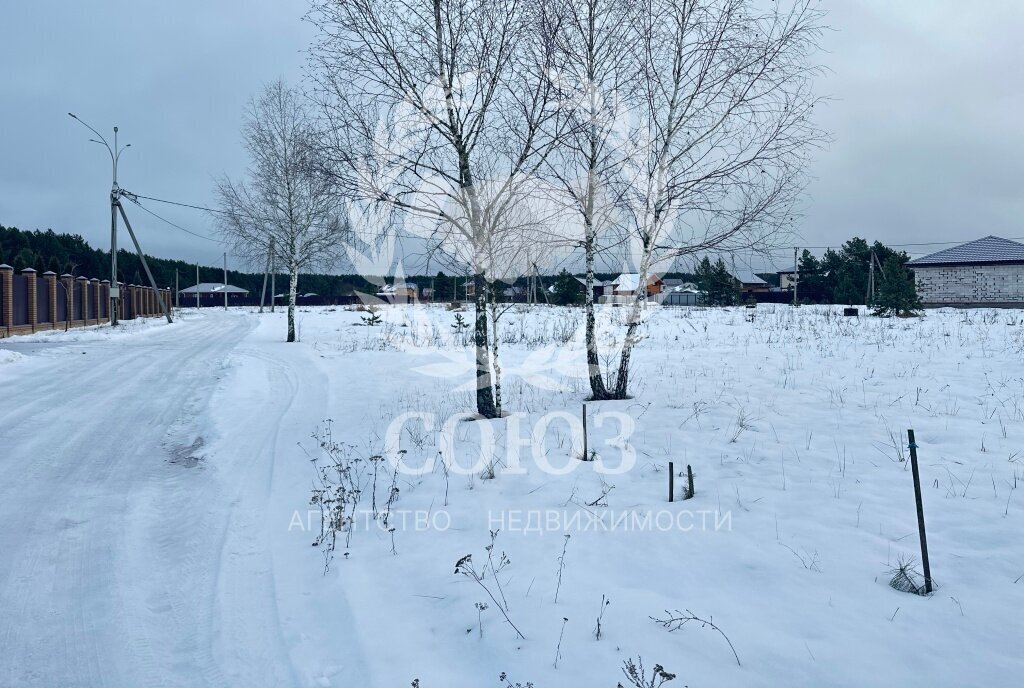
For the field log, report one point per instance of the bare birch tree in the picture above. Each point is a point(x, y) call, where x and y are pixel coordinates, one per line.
point(719, 133)
point(286, 202)
point(440, 110)
point(595, 70)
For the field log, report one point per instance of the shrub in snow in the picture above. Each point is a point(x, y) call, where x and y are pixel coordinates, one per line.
point(673, 621)
point(507, 682)
point(465, 567)
point(637, 677)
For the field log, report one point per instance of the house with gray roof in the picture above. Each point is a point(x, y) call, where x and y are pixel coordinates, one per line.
point(746, 280)
point(211, 294)
point(983, 272)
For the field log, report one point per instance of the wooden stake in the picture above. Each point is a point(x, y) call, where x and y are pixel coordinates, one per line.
point(586, 456)
point(671, 482)
point(689, 482)
point(920, 512)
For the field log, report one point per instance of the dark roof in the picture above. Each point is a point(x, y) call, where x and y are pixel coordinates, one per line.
point(991, 249)
point(747, 277)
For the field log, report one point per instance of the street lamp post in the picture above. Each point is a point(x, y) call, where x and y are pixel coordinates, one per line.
point(115, 194)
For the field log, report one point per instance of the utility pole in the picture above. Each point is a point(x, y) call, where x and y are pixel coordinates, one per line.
point(115, 194)
point(273, 279)
point(540, 283)
point(142, 256)
point(266, 273)
point(871, 280)
point(225, 280)
point(796, 275)
point(177, 303)
point(197, 286)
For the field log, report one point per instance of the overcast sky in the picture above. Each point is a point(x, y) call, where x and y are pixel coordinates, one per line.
point(926, 112)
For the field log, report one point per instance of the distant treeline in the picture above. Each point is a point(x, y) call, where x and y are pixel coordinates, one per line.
point(71, 254)
point(837, 277)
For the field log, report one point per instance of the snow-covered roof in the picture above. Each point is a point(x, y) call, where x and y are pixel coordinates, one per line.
point(392, 289)
point(597, 282)
point(630, 281)
point(748, 277)
point(627, 281)
point(990, 249)
point(213, 288)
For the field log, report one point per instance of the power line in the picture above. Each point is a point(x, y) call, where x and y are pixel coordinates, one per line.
point(172, 224)
point(183, 205)
point(399, 235)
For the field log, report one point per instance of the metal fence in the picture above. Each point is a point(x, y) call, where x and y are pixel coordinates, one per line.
point(31, 302)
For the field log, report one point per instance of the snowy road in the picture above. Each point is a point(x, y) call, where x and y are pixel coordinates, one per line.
point(115, 516)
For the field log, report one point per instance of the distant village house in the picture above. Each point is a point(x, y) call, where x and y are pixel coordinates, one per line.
point(984, 272)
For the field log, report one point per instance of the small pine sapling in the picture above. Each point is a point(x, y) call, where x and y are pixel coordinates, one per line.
point(372, 316)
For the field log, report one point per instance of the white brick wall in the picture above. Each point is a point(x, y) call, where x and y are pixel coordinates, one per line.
point(971, 284)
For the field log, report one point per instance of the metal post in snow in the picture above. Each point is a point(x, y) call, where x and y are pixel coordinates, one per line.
point(225, 280)
point(671, 482)
point(197, 286)
point(920, 512)
point(586, 453)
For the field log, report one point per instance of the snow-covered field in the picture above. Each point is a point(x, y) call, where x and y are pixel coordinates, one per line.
point(156, 524)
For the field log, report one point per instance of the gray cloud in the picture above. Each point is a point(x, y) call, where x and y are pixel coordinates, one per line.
point(927, 97)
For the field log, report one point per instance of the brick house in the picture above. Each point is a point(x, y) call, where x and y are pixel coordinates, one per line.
point(984, 272)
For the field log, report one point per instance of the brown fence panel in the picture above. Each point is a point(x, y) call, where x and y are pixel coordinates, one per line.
point(20, 291)
point(76, 302)
point(88, 306)
point(42, 301)
point(62, 303)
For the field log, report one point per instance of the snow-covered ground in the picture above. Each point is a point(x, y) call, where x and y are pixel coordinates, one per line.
point(156, 525)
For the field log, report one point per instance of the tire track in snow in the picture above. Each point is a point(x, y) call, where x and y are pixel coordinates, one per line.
point(82, 601)
point(247, 604)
